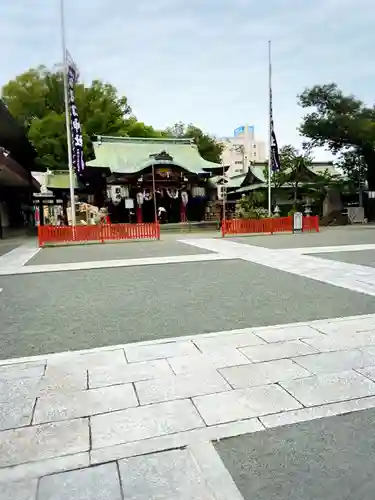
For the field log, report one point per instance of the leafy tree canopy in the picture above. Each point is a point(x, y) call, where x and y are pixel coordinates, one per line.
point(343, 124)
point(209, 148)
point(36, 100)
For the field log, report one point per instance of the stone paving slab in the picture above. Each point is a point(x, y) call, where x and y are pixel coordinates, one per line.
point(19, 490)
point(172, 474)
point(263, 373)
point(180, 387)
point(144, 422)
point(216, 358)
point(329, 388)
point(84, 403)
point(103, 375)
point(16, 413)
point(44, 441)
point(326, 362)
point(244, 403)
point(94, 483)
point(277, 350)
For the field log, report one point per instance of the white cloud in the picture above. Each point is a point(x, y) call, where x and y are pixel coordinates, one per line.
point(202, 61)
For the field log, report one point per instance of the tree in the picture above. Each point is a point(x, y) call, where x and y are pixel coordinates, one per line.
point(209, 148)
point(343, 124)
point(290, 160)
point(36, 100)
point(295, 173)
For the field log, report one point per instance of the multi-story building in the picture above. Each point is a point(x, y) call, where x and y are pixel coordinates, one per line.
point(242, 150)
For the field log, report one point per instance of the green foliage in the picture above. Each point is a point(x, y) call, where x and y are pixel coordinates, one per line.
point(36, 100)
point(209, 148)
point(343, 124)
point(252, 206)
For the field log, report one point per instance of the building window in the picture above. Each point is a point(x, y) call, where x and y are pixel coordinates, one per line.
point(238, 170)
point(254, 146)
point(255, 153)
point(238, 162)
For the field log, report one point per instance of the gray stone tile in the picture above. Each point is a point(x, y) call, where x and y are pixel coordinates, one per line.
point(180, 387)
point(348, 326)
point(100, 375)
point(263, 373)
point(167, 475)
point(329, 410)
point(15, 389)
point(241, 339)
point(338, 341)
point(89, 359)
point(337, 361)
point(32, 470)
point(244, 403)
point(84, 403)
point(144, 422)
point(22, 371)
point(94, 483)
point(277, 350)
point(147, 352)
point(281, 334)
point(329, 388)
point(173, 441)
point(16, 413)
point(41, 442)
point(19, 490)
point(368, 372)
point(63, 378)
point(217, 358)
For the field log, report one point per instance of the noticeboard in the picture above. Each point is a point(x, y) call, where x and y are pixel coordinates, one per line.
point(297, 222)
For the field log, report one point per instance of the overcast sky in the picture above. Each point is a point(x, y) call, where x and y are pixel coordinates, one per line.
point(201, 61)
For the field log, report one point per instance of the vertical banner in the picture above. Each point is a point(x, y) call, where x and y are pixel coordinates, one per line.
point(274, 150)
point(75, 125)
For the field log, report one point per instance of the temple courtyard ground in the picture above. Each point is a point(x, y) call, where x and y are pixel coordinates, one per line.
point(194, 367)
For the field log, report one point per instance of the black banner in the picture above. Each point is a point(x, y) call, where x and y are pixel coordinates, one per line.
point(77, 140)
point(275, 159)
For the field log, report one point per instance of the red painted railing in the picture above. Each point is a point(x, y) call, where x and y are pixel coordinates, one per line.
point(49, 235)
point(272, 225)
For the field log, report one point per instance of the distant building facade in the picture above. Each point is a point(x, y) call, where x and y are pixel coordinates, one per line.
point(241, 150)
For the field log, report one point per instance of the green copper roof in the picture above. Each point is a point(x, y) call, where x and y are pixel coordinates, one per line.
point(59, 179)
point(236, 181)
point(258, 172)
point(129, 155)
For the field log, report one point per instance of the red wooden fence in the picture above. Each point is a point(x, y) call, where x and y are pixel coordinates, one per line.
point(99, 233)
point(272, 225)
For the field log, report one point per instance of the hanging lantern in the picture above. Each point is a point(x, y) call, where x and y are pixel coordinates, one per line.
point(140, 198)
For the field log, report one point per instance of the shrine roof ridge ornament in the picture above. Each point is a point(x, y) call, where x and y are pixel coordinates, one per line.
point(162, 156)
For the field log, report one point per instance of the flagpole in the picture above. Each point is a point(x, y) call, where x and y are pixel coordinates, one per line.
point(269, 130)
point(67, 115)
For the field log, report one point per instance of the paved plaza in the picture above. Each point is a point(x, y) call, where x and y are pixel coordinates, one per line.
point(191, 368)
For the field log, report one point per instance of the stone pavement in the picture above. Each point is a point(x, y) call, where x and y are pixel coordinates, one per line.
point(91, 421)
